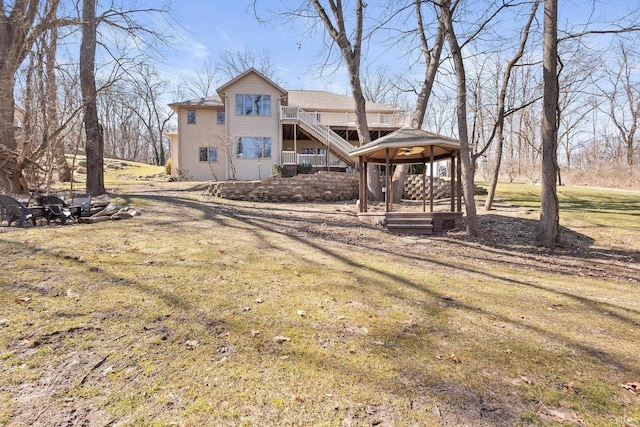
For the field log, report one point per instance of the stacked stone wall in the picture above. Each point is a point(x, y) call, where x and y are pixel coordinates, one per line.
point(413, 188)
point(322, 186)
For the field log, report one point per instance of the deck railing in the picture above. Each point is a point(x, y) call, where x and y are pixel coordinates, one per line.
point(348, 120)
point(320, 131)
point(316, 160)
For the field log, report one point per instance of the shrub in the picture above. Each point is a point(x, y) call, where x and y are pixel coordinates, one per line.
point(167, 167)
point(305, 168)
point(276, 171)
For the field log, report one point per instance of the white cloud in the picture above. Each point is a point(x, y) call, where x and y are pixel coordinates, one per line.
point(198, 50)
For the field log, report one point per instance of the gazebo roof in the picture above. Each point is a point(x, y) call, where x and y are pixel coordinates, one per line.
point(407, 145)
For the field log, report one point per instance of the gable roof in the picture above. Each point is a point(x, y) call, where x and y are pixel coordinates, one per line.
point(319, 100)
point(251, 70)
point(209, 101)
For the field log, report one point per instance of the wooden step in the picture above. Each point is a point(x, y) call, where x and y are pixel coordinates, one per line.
point(424, 229)
point(410, 223)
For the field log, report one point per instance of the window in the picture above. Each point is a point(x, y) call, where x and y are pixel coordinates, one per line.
point(253, 147)
point(220, 117)
point(208, 154)
point(191, 117)
point(253, 105)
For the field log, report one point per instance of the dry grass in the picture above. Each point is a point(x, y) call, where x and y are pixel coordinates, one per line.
point(210, 312)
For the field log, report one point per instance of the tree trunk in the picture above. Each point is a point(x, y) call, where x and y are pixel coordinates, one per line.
point(16, 39)
point(468, 169)
point(8, 158)
point(94, 139)
point(351, 53)
point(549, 226)
point(432, 59)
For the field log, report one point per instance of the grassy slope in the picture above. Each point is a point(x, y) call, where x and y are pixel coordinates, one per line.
point(170, 319)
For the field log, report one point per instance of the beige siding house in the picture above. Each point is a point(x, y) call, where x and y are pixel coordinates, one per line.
point(253, 124)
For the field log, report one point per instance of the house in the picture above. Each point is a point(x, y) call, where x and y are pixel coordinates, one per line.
point(253, 124)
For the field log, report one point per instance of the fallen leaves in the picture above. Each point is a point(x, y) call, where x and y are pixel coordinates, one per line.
point(633, 387)
point(527, 380)
point(455, 358)
point(192, 344)
point(560, 415)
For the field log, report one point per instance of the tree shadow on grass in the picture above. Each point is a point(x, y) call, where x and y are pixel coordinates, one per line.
point(506, 239)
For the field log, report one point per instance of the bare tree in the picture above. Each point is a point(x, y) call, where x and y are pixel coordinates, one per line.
point(149, 89)
point(203, 83)
point(351, 51)
point(431, 55)
point(234, 62)
point(18, 28)
point(94, 147)
point(468, 168)
point(549, 225)
point(498, 129)
point(624, 103)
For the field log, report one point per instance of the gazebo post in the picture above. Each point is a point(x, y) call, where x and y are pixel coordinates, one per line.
point(361, 177)
point(386, 177)
point(431, 179)
point(452, 182)
point(424, 186)
point(363, 184)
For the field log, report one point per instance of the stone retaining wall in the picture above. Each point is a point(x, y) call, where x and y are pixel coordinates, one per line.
point(322, 186)
point(413, 188)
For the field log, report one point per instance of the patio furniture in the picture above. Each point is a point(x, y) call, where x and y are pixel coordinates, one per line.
point(54, 208)
point(13, 210)
point(80, 205)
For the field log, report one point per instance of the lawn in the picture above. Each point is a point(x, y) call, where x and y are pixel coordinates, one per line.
point(211, 312)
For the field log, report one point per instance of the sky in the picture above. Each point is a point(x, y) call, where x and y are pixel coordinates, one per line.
point(209, 27)
point(213, 26)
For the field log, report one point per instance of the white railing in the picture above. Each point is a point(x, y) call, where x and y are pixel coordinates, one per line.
point(349, 119)
point(324, 133)
point(316, 160)
point(328, 137)
point(289, 158)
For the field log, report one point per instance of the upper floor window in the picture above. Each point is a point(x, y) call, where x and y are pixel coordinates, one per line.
point(220, 117)
point(253, 105)
point(191, 117)
point(253, 147)
point(208, 154)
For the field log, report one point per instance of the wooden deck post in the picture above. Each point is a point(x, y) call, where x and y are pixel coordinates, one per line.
point(431, 179)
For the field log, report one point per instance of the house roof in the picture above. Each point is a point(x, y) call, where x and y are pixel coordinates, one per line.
point(251, 70)
point(318, 100)
point(407, 145)
point(310, 100)
point(209, 101)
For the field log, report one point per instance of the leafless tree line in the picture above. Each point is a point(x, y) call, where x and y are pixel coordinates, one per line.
point(517, 91)
point(473, 70)
point(43, 110)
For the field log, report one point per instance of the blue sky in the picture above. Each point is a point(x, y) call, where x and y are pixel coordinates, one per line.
point(213, 26)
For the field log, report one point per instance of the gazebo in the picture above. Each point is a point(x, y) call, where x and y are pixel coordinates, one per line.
point(409, 145)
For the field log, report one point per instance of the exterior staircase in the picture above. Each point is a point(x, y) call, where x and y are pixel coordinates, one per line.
point(410, 222)
point(323, 133)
